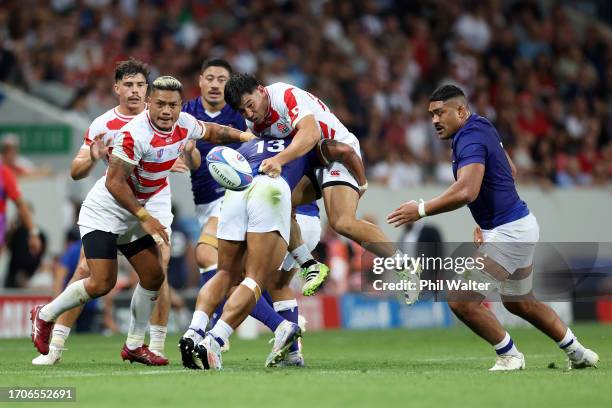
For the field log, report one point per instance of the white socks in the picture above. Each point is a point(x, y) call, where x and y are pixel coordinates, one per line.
point(59, 336)
point(199, 321)
point(302, 254)
point(221, 331)
point(158, 338)
point(141, 307)
point(74, 295)
point(570, 344)
point(506, 347)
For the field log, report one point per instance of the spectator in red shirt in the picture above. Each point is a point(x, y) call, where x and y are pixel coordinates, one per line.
point(10, 189)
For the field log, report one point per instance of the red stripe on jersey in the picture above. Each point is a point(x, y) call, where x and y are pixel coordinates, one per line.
point(88, 142)
point(145, 182)
point(177, 135)
point(154, 167)
point(128, 145)
point(144, 196)
point(116, 124)
point(291, 103)
point(328, 133)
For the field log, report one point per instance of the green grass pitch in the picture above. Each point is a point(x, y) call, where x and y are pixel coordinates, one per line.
point(408, 368)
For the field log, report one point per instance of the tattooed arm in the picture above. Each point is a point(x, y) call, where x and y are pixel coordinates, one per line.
point(116, 183)
point(220, 134)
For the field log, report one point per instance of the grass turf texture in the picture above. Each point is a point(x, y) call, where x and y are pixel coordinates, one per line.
point(424, 368)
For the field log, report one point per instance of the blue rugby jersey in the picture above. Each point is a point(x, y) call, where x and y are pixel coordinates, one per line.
point(205, 189)
point(498, 202)
point(257, 150)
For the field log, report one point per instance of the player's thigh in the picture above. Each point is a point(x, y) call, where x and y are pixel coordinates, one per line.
point(340, 202)
point(144, 256)
point(100, 251)
point(519, 286)
point(306, 191)
point(265, 253)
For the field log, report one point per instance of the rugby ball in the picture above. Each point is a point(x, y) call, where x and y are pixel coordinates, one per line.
point(229, 168)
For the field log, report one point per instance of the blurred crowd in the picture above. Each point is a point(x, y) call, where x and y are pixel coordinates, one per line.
point(542, 78)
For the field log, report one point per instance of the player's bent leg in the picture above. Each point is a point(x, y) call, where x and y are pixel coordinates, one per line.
point(315, 273)
point(341, 207)
point(210, 296)
point(519, 300)
point(101, 252)
point(144, 256)
point(65, 322)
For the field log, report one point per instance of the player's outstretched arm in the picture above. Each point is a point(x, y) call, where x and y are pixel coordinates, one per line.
point(219, 134)
point(116, 183)
point(461, 192)
point(331, 150)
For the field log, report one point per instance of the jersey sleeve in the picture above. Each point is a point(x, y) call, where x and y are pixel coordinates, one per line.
point(297, 106)
point(195, 128)
point(91, 132)
point(10, 184)
point(128, 148)
point(472, 151)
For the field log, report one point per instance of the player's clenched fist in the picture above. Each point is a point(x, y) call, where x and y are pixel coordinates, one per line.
point(271, 167)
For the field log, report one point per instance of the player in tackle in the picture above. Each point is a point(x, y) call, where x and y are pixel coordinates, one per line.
point(254, 232)
point(484, 177)
point(281, 111)
point(120, 213)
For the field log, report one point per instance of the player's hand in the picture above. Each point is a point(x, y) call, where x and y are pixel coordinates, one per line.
point(405, 213)
point(179, 166)
point(271, 167)
point(153, 227)
point(189, 146)
point(98, 148)
point(35, 244)
point(478, 238)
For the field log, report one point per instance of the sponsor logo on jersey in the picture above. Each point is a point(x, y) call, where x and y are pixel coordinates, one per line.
point(335, 173)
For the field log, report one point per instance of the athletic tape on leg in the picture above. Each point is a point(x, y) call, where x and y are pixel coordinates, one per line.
point(251, 284)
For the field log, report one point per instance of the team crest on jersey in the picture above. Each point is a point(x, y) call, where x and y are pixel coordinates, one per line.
point(282, 127)
point(181, 147)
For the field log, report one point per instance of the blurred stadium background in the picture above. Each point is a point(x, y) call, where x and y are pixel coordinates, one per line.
point(540, 70)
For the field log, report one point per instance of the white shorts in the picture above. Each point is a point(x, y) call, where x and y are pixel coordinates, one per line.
point(310, 227)
point(336, 173)
point(512, 246)
point(205, 211)
point(100, 211)
point(263, 207)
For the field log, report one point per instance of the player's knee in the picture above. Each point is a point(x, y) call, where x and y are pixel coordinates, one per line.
point(342, 224)
point(520, 308)
point(101, 286)
point(81, 271)
point(206, 255)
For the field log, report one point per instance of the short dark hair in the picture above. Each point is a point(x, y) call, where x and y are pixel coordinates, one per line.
point(131, 67)
point(217, 62)
point(167, 83)
point(237, 86)
point(446, 92)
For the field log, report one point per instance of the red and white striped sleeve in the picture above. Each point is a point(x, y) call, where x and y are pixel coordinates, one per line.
point(195, 128)
point(129, 148)
point(297, 105)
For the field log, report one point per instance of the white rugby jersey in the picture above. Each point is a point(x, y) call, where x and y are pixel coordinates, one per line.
point(288, 105)
point(153, 151)
point(108, 123)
